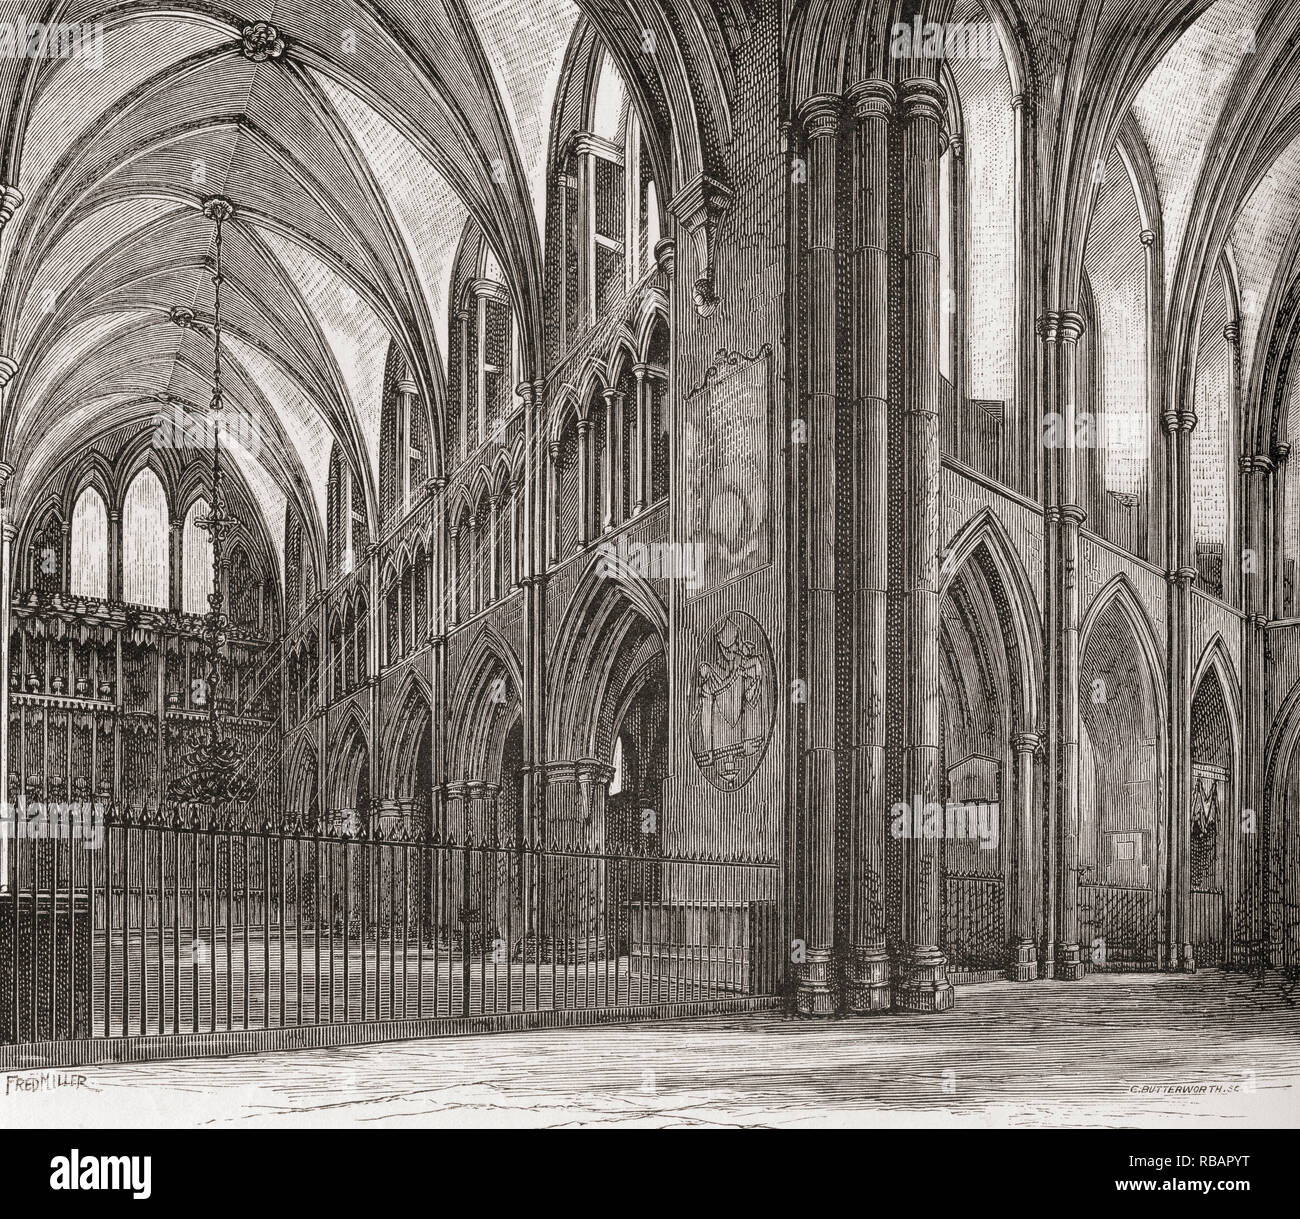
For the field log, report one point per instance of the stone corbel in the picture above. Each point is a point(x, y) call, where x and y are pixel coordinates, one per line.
point(699, 207)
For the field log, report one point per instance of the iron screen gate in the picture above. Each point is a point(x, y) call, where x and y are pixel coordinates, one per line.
point(1118, 927)
point(974, 921)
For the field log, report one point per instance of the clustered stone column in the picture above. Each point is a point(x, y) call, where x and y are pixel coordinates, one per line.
point(644, 449)
point(867, 981)
point(923, 982)
point(867, 530)
point(1023, 109)
point(1069, 520)
point(552, 527)
point(1252, 870)
point(1180, 575)
point(817, 992)
point(1277, 551)
point(438, 592)
point(463, 369)
point(407, 391)
point(1025, 891)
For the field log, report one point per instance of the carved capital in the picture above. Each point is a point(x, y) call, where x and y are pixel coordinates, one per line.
point(1070, 326)
point(665, 253)
point(924, 100)
point(873, 99)
point(820, 116)
point(530, 392)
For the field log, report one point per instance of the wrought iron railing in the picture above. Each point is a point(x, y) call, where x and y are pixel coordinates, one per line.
point(185, 924)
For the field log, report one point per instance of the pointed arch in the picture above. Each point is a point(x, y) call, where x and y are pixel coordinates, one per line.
point(1120, 592)
point(487, 700)
point(146, 546)
point(349, 763)
point(622, 355)
point(196, 560)
point(406, 740)
point(91, 470)
point(613, 628)
point(1217, 660)
point(984, 541)
point(1123, 827)
point(301, 775)
point(88, 565)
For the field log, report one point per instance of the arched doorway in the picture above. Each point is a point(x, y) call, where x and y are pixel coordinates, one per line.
point(1209, 832)
point(408, 777)
point(300, 782)
point(610, 693)
point(349, 789)
point(1121, 847)
point(485, 810)
point(989, 878)
point(608, 732)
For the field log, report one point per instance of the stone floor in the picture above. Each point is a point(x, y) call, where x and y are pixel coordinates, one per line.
point(1118, 1050)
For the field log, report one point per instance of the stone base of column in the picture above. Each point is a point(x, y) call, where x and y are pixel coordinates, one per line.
point(923, 984)
point(1024, 962)
point(1069, 964)
point(866, 981)
point(1189, 959)
point(815, 991)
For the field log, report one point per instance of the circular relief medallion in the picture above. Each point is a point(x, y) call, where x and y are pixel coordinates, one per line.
point(733, 699)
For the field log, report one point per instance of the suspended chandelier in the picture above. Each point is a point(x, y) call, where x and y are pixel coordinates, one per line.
point(217, 776)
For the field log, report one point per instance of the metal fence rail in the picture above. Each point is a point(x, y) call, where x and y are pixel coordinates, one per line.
point(974, 920)
point(1118, 926)
point(185, 926)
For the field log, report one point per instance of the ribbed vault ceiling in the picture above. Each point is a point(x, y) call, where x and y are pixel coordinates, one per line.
point(354, 159)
